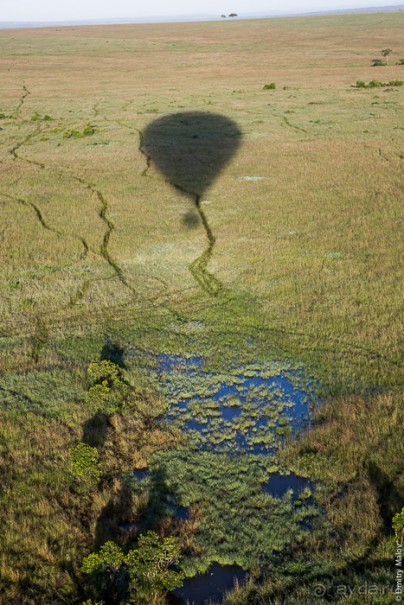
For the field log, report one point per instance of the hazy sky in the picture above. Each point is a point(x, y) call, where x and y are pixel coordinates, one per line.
point(52, 10)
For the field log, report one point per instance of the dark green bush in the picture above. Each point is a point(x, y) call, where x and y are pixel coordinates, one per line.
point(375, 84)
point(271, 86)
point(378, 84)
point(146, 571)
point(378, 63)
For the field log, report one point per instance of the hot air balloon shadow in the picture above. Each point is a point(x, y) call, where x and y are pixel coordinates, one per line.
point(190, 149)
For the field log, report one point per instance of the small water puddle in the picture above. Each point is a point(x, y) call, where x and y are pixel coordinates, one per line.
point(208, 587)
point(278, 485)
point(140, 474)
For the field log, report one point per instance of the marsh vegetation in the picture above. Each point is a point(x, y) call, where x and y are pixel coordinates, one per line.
point(213, 362)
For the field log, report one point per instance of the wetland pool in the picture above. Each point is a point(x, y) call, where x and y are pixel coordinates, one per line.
point(235, 422)
point(208, 587)
point(251, 409)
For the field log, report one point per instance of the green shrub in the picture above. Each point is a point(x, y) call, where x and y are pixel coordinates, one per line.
point(146, 571)
point(150, 567)
point(101, 371)
point(400, 62)
point(88, 131)
point(271, 86)
point(72, 134)
point(85, 466)
point(100, 398)
point(378, 63)
point(37, 117)
point(108, 560)
point(375, 84)
point(398, 523)
point(108, 393)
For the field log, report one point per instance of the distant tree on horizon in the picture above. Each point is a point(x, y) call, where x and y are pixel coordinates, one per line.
point(233, 15)
point(223, 16)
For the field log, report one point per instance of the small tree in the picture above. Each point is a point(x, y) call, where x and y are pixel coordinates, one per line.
point(233, 15)
point(386, 52)
point(107, 393)
point(149, 568)
point(105, 571)
point(145, 571)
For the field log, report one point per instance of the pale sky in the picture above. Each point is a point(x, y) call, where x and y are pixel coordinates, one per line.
point(54, 10)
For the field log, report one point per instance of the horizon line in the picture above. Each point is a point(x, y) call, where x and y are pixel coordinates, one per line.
point(196, 17)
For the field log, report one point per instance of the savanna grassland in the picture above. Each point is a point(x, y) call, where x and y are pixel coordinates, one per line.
point(101, 256)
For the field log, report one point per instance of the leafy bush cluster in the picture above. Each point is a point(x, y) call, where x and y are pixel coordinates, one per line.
point(88, 131)
point(38, 118)
point(108, 393)
point(85, 465)
point(271, 86)
point(141, 576)
point(398, 523)
point(378, 84)
point(378, 63)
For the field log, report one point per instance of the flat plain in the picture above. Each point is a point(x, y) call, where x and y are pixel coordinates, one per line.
point(292, 254)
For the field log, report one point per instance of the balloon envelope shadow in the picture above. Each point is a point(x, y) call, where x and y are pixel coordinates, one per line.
point(190, 149)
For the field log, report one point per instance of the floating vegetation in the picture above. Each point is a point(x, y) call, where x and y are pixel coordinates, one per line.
point(235, 420)
point(251, 408)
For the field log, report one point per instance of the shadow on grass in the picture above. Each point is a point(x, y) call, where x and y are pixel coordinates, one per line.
point(95, 430)
point(121, 520)
point(389, 499)
point(190, 149)
point(113, 352)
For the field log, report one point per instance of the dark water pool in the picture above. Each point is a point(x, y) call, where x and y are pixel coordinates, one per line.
point(211, 586)
point(140, 474)
point(251, 410)
point(278, 485)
